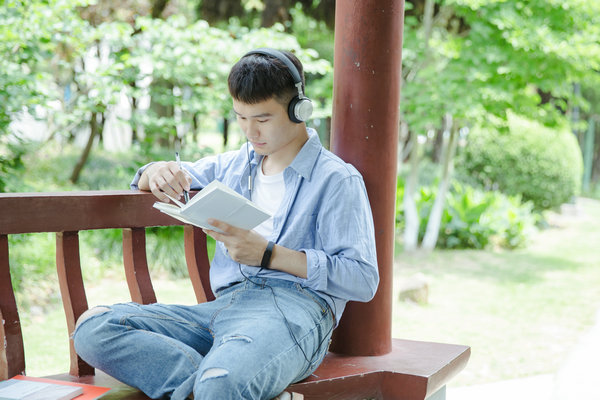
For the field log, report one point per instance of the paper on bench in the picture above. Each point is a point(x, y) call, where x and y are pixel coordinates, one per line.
point(14, 389)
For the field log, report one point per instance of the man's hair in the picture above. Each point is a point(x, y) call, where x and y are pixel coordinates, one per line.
point(258, 77)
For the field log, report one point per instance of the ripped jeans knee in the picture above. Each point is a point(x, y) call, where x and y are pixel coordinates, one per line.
point(217, 372)
point(214, 372)
point(90, 313)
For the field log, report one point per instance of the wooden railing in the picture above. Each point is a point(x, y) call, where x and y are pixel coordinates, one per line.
point(412, 371)
point(68, 213)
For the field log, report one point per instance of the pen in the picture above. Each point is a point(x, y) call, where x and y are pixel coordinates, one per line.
point(186, 195)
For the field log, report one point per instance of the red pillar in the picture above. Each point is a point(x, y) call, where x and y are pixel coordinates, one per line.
point(366, 99)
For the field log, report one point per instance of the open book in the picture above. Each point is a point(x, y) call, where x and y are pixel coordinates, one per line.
point(216, 201)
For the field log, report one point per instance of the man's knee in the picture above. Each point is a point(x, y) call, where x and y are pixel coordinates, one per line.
point(90, 313)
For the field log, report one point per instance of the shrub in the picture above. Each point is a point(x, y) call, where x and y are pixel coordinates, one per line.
point(540, 164)
point(474, 218)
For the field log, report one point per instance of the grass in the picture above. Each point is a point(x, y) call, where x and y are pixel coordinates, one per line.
point(520, 311)
point(45, 331)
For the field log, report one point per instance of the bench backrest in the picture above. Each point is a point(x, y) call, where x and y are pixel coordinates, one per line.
point(67, 213)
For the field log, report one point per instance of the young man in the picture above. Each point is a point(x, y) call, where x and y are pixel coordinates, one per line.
point(280, 288)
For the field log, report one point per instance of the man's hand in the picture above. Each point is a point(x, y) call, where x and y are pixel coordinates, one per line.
point(165, 178)
point(247, 247)
point(244, 246)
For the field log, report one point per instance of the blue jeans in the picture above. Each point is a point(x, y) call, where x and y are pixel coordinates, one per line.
point(254, 340)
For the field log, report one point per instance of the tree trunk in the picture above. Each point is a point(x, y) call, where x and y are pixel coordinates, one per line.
point(428, 21)
point(275, 11)
point(88, 148)
point(134, 107)
point(158, 6)
point(219, 10)
point(225, 131)
point(438, 146)
point(163, 136)
point(435, 216)
point(596, 158)
point(196, 127)
point(411, 214)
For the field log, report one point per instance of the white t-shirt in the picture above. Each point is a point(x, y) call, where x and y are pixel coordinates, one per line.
point(267, 193)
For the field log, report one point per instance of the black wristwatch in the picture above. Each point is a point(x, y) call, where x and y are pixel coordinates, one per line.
point(266, 259)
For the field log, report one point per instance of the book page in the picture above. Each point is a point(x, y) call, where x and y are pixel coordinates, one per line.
point(90, 392)
point(174, 212)
point(56, 392)
point(220, 202)
point(247, 216)
point(14, 389)
point(215, 205)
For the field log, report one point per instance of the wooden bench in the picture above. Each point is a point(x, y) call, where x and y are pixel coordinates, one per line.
point(412, 371)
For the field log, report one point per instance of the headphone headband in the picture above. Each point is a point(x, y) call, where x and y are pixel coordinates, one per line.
point(300, 107)
point(281, 57)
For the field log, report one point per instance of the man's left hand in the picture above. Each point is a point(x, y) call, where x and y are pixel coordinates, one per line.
point(244, 246)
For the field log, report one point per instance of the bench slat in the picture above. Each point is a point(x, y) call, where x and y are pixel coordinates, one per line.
point(198, 264)
point(3, 361)
point(136, 266)
point(13, 355)
point(72, 291)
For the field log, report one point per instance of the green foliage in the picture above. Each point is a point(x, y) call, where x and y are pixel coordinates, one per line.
point(487, 57)
point(32, 258)
point(473, 218)
point(183, 69)
point(38, 42)
point(542, 165)
point(314, 34)
point(48, 169)
point(11, 165)
point(73, 72)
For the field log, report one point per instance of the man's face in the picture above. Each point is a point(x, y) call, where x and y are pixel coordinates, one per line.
point(268, 128)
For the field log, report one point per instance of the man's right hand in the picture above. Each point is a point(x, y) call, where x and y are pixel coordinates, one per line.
point(163, 178)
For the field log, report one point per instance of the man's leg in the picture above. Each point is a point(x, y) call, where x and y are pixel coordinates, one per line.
point(153, 347)
point(273, 334)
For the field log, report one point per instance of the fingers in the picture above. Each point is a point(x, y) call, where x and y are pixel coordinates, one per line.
point(168, 179)
point(214, 234)
point(227, 234)
point(241, 244)
point(223, 226)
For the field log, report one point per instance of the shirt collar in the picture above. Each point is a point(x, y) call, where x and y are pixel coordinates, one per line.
point(306, 158)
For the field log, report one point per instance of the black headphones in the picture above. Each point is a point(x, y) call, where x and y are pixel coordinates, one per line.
point(300, 107)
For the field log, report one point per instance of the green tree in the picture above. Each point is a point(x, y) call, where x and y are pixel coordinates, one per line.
point(265, 13)
point(76, 68)
point(35, 40)
point(474, 61)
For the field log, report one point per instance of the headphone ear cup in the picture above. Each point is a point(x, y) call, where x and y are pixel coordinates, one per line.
point(300, 109)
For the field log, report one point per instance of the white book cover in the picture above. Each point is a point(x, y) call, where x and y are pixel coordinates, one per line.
point(216, 201)
point(14, 389)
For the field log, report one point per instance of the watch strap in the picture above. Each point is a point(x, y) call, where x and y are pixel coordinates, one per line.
point(266, 259)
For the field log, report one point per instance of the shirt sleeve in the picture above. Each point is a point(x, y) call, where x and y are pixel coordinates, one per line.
point(202, 172)
point(345, 265)
point(136, 179)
